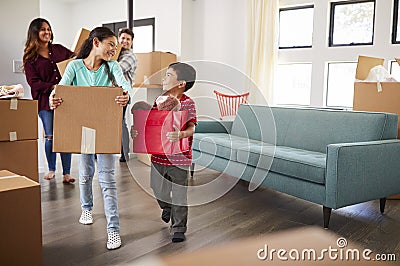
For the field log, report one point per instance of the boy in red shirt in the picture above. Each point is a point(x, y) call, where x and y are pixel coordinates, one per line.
point(169, 173)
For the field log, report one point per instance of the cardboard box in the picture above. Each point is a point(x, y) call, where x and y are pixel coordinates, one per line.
point(365, 64)
point(88, 121)
point(153, 126)
point(6, 173)
point(19, 119)
point(144, 158)
point(20, 157)
point(367, 98)
point(63, 65)
point(80, 37)
point(149, 66)
point(21, 223)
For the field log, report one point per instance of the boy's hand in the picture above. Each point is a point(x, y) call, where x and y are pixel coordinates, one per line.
point(134, 133)
point(175, 135)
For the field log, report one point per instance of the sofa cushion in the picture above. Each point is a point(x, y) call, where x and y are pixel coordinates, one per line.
point(297, 163)
point(311, 129)
point(221, 144)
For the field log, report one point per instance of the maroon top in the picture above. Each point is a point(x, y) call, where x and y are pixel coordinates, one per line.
point(42, 73)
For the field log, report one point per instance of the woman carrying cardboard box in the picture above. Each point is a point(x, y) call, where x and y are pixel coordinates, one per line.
point(40, 58)
point(94, 67)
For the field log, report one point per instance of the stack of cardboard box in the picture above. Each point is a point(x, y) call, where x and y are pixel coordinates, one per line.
point(152, 67)
point(21, 220)
point(18, 137)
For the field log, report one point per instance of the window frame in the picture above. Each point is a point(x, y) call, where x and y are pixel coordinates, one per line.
point(297, 104)
point(115, 26)
point(332, 20)
point(395, 21)
point(296, 8)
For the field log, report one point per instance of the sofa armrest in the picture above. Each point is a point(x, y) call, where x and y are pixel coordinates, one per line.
point(362, 171)
point(214, 126)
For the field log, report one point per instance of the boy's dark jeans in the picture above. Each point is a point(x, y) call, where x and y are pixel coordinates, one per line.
point(169, 184)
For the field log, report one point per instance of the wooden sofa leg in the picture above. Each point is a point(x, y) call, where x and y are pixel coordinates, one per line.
point(192, 170)
point(327, 215)
point(382, 203)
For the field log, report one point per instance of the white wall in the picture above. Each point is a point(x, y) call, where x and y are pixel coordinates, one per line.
point(219, 31)
point(168, 22)
point(67, 17)
point(59, 15)
point(14, 28)
point(215, 31)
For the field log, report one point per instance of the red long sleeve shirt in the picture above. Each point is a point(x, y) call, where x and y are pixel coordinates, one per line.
point(42, 73)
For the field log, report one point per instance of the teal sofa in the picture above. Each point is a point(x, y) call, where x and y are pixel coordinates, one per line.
point(328, 157)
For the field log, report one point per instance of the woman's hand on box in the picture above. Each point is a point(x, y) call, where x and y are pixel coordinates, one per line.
point(134, 133)
point(122, 100)
point(53, 100)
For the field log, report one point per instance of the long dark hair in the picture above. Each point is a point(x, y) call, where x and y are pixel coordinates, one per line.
point(32, 40)
point(100, 33)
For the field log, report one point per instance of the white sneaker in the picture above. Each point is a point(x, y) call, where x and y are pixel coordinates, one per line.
point(114, 240)
point(86, 217)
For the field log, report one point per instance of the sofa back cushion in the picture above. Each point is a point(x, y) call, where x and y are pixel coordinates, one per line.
point(312, 129)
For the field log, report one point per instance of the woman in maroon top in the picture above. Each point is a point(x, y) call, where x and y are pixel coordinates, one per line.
point(40, 58)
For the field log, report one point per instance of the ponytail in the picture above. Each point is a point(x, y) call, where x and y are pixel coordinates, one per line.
point(85, 48)
point(100, 33)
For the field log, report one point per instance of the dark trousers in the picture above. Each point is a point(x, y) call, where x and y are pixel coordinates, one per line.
point(125, 137)
point(169, 184)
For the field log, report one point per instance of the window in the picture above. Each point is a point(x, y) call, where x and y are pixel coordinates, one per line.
point(293, 84)
point(144, 30)
point(339, 28)
point(296, 27)
point(395, 70)
point(396, 23)
point(352, 23)
point(340, 89)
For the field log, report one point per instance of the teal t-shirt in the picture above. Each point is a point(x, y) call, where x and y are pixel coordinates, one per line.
point(77, 74)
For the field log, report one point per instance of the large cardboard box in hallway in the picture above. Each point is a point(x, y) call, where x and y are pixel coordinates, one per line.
point(375, 96)
point(19, 119)
point(88, 121)
point(21, 220)
point(152, 67)
point(367, 98)
point(20, 157)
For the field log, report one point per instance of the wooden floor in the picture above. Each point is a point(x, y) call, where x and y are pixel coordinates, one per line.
point(238, 214)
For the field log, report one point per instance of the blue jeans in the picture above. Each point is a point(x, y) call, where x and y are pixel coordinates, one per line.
point(47, 121)
point(105, 169)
